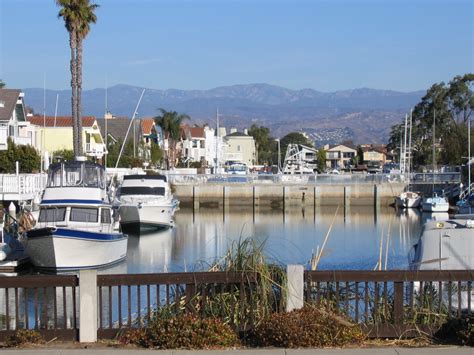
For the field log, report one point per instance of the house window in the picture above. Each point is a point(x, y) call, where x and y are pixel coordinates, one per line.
point(238, 148)
point(195, 144)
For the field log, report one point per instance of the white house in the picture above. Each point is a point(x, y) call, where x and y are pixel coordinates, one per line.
point(240, 148)
point(13, 122)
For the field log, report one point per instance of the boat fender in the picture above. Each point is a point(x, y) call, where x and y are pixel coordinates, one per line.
point(4, 251)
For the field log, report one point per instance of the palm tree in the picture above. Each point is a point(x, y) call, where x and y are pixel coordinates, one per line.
point(77, 16)
point(170, 123)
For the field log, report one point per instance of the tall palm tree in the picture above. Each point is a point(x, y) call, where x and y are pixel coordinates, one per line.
point(170, 123)
point(77, 16)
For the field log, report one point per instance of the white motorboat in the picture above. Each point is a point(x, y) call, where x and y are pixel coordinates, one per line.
point(146, 201)
point(75, 228)
point(435, 204)
point(408, 199)
point(446, 245)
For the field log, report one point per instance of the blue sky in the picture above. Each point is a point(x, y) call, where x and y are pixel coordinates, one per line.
point(325, 45)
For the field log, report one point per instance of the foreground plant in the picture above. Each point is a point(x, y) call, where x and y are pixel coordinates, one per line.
point(307, 327)
point(185, 331)
point(21, 337)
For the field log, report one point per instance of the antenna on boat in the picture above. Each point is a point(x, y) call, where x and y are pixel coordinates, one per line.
point(105, 119)
point(128, 130)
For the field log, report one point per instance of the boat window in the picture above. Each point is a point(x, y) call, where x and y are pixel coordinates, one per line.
point(91, 177)
point(105, 216)
point(55, 176)
point(142, 190)
point(52, 214)
point(73, 176)
point(81, 214)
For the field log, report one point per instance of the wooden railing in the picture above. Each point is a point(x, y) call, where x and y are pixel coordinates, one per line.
point(393, 303)
point(385, 303)
point(47, 304)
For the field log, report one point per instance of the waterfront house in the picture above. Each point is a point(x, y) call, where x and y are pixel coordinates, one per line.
point(339, 156)
point(240, 147)
point(55, 133)
point(13, 122)
point(375, 154)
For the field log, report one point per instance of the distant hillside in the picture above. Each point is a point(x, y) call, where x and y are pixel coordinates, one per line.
point(366, 114)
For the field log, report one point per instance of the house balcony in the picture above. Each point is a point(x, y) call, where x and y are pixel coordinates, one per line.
point(234, 157)
point(95, 150)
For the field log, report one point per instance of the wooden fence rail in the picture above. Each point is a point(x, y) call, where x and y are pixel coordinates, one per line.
point(386, 303)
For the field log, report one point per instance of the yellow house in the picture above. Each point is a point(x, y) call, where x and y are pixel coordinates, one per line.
point(55, 133)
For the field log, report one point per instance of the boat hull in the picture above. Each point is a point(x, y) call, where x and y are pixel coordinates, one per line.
point(70, 249)
point(147, 216)
point(408, 201)
point(435, 207)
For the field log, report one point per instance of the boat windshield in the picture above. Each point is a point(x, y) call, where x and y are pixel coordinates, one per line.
point(142, 190)
point(76, 174)
point(52, 214)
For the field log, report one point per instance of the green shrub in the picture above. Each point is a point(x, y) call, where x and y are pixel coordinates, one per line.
point(185, 331)
point(21, 337)
point(307, 327)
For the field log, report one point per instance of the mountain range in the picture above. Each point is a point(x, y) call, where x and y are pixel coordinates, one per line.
point(363, 115)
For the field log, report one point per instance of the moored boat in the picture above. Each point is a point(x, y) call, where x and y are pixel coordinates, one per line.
point(435, 203)
point(75, 228)
point(146, 201)
point(408, 199)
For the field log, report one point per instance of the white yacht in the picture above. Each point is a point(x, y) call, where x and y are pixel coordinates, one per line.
point(146, 201)
point(446, 245)
point(75, 228)
point(408, 199)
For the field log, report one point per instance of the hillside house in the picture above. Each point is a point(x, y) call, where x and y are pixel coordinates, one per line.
point(13, 122)
point(375, 155)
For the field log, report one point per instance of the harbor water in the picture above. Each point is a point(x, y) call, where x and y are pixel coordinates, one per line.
point(360, 237)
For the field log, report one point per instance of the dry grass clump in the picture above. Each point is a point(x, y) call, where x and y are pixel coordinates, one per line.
point(23, 337)
point(307, 327)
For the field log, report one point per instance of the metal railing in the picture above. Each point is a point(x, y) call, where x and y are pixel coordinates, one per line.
point(22, 183)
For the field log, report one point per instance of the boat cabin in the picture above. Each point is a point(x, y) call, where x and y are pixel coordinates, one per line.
point(77, 174)
point(155, 185)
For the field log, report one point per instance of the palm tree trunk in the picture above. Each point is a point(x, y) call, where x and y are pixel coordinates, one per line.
point(73, 68)
point(79, 97)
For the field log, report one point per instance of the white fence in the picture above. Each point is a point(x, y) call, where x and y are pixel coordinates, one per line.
point(22, 186)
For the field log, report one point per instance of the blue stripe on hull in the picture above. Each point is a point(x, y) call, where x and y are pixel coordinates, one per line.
point(72, 233)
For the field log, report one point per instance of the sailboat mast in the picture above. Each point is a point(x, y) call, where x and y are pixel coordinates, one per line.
point(409, 142)
point(469, 156)
point(405, 145)
point(434, 148)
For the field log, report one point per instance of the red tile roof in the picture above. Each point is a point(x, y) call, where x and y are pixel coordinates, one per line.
point(196, 132)
point(147, 125)
point(60, 121)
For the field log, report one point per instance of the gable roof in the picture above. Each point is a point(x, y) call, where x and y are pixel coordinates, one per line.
point(147, 125)
point(60, 121)
point(117, 128)
point(331, 147)
point(196, 132)
point(9, 98)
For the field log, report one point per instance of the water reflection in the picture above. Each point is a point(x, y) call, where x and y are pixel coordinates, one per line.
point(355, 242)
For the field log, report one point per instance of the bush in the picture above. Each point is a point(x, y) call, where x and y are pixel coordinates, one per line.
point(182, 332)
point(21, 337)
point(458, 331)
point(307, 327)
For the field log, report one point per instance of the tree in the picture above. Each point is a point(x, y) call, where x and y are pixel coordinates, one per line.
point(293, 138)
point(77, 16)
point(321, 156)
point(64, 154)
point(27, 157)
point(156, 154)
point(263, 142)
point(452, 104)
point(170, 123)
point(2, 84)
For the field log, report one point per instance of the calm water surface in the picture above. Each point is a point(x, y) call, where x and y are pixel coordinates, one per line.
point(354, 241)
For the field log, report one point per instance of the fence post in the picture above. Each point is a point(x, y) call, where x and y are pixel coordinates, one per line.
point(88, 306)
point(398, 302)
point(295, 287)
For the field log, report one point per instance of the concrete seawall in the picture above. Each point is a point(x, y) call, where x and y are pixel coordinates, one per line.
point(281, 195)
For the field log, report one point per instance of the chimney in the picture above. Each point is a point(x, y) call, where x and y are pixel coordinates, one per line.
point(246, 131)
point(108, 115)
point(233, 130)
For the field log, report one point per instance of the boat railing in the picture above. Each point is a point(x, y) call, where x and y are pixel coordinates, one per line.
point(465, 192)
